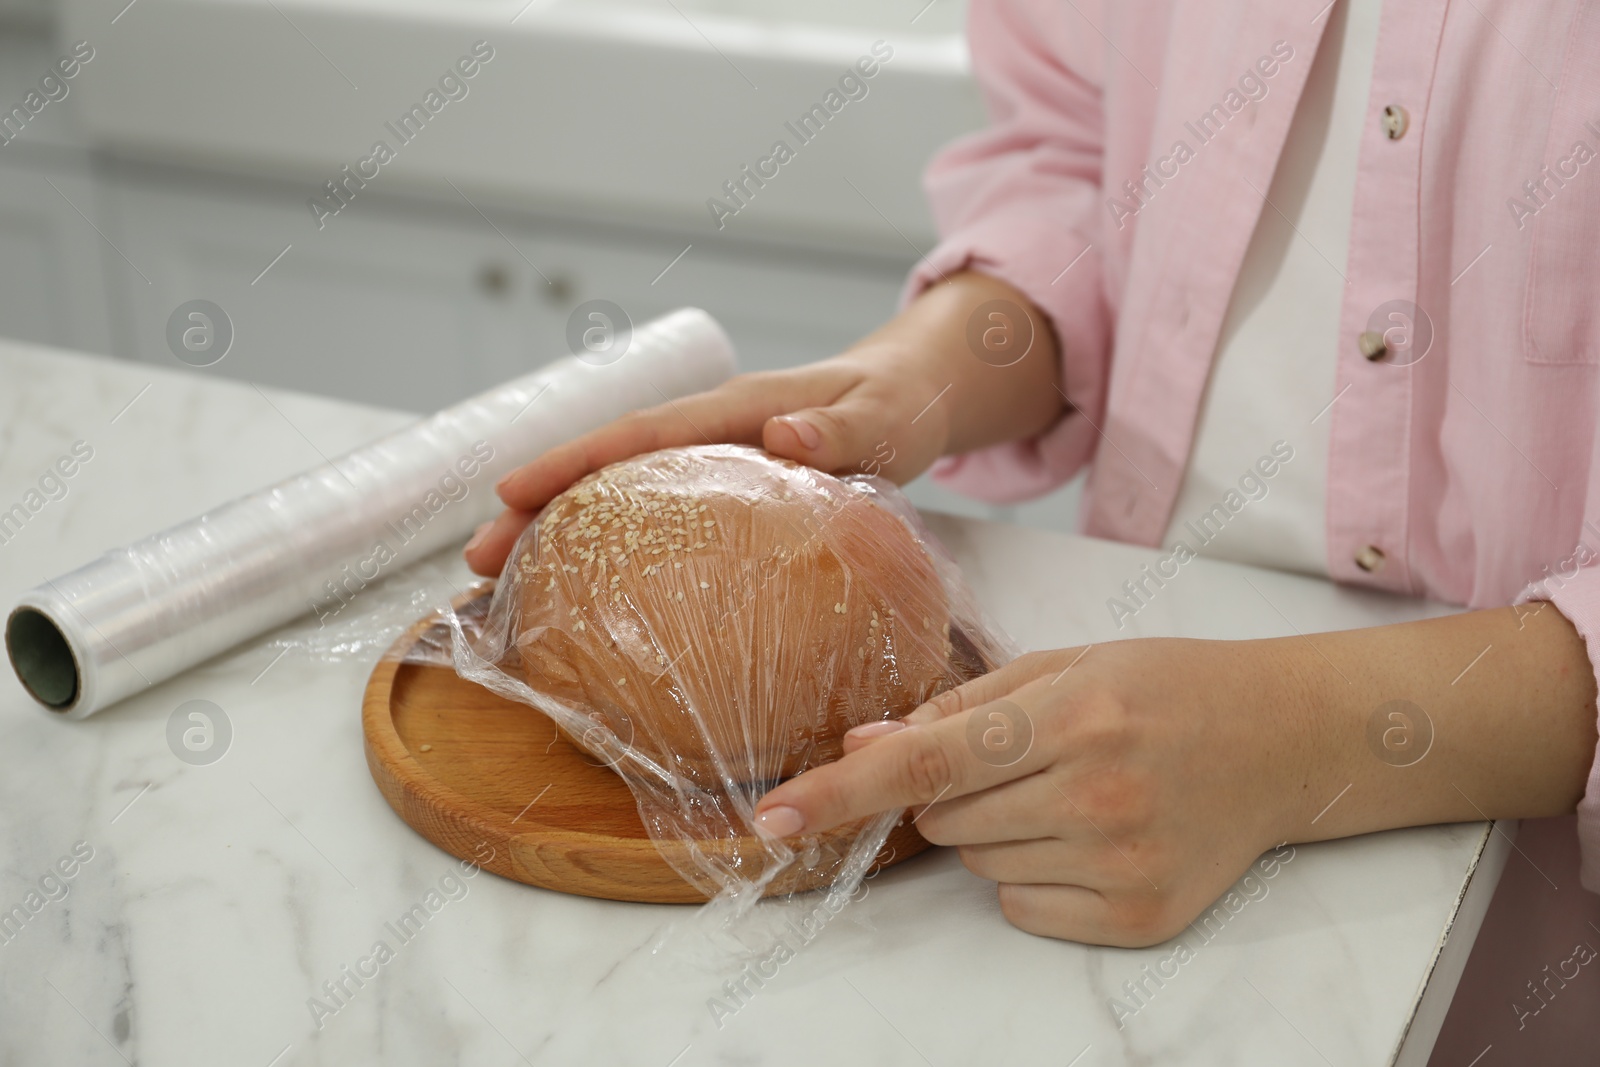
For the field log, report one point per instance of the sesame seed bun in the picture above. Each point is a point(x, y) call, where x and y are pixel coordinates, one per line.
point(728, 615)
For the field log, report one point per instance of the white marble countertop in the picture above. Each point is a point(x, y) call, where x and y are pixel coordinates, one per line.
point(217, 900)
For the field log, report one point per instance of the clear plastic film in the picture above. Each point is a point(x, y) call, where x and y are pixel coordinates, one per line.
point(314, 542)
point(709, 621)
point(371, 625)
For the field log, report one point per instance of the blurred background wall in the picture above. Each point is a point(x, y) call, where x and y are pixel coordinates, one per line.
point(226, 150)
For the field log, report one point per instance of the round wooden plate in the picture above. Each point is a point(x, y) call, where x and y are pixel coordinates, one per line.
point(492, 782)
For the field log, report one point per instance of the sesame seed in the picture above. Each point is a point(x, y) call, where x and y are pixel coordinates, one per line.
point(705, 585)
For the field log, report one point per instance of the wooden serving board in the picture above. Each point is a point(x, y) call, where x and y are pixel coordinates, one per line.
point(491, 781)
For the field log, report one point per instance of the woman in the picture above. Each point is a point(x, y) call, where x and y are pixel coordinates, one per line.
point(1361, 237)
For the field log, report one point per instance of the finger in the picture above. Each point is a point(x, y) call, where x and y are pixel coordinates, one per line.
point(861, 736)
point(1074, 913)
point(1039, 861)
point(732, 413)
point(1092, 863)
point(1015, 811)
point(487, 551)
point(915, 766)
point(534, 484)
point(985, 689)
point(964, 698)
point(851, 434)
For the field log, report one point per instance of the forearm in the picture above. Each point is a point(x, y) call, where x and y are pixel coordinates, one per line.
point(990, 398)
point(1507, 695)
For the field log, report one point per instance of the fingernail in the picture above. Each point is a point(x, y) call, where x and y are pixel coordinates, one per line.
point(780, 821)
point(876, 729)
point(808, 434)
point(477, 536)
point(503, 482)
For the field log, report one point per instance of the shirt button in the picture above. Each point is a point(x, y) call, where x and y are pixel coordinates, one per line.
point(1395, 121)
point(1370, 558)
point(1372, 344)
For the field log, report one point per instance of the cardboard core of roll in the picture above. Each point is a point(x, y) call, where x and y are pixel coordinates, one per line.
point(42, 658)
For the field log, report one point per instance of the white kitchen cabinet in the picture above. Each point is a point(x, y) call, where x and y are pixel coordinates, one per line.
point(378, 310)
point(410, 297)
point(633, 111)
point(781, 310)
point(52, 287)
point(415, 304)
point(51, 283)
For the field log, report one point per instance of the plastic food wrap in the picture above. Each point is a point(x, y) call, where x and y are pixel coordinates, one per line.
point(709, 621)
point(143, 612)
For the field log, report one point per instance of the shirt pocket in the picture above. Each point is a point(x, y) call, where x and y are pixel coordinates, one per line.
point(1562, 313)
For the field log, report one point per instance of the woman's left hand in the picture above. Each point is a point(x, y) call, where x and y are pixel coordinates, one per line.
point(1112, 791)
point(1115, 791)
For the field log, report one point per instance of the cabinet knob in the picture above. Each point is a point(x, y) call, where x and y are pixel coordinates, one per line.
point(494, 279)
point(558, 290)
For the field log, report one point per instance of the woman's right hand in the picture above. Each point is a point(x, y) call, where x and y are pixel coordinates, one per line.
point(891, 405)
point(869, 411)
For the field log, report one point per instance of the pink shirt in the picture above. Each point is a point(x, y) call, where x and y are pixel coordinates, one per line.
point(1119, 182)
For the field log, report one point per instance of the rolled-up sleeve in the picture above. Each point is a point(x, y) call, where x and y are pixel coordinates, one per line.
point(1578, 598)
point(1020, 201)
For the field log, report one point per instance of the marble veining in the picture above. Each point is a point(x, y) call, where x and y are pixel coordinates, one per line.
point(221, 897)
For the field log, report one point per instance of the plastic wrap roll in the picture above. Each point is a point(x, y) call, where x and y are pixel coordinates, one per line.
point(144, 612)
